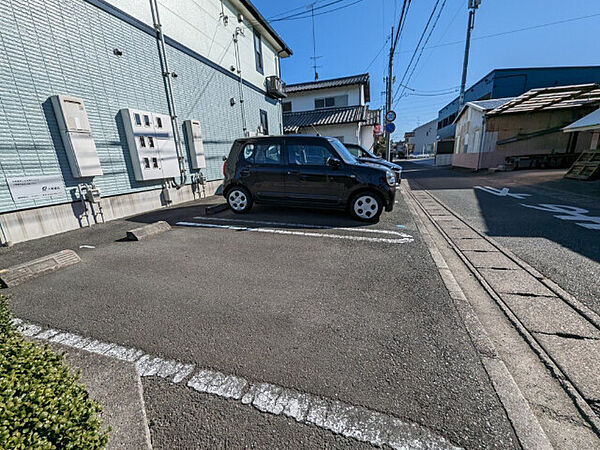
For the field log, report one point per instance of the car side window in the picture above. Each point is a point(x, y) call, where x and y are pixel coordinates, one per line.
point(354, 151)
point(308, 154)
point(262, 153)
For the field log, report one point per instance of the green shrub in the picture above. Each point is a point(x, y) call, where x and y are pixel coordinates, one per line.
point(42, 405)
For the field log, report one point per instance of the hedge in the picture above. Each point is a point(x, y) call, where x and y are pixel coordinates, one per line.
point(42, 404)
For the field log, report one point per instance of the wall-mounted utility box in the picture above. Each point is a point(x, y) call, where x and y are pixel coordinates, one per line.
point(151, 144)
point(193, 136)
point(76, 135)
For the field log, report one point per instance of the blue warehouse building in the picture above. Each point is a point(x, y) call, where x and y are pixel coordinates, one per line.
point(502, 83)
point(75, 72)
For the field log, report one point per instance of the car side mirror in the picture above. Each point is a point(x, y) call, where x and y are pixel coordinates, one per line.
point(224, 158)
point(333, 162)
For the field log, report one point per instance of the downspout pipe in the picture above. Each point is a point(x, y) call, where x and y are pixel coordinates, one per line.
point(238, 62)
point(162, 52)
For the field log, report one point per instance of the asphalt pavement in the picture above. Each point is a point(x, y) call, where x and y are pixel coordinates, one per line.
point(306, 300)
point(550, 222)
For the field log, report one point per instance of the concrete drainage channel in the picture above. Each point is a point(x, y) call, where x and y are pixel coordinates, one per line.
point(564, 333)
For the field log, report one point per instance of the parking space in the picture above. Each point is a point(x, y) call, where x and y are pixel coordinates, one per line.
point(306, 300)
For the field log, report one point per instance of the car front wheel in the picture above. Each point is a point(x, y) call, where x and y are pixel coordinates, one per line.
point(239, 200)
point(366, 207)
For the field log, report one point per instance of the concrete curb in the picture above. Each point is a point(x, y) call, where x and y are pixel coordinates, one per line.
point(117, 386)
point(575, 392)
point(137, 234)
point(21, 273)
point(351, 421)
point(215, 209)
point(525, 424)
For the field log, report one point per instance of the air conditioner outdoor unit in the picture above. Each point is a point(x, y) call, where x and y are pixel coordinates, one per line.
point(275, 87)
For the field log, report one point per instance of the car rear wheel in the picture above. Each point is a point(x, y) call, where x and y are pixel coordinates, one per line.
point(239, 200)
point(366, 207)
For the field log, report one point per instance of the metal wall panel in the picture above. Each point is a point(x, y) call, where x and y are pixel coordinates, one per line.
point(50, 47)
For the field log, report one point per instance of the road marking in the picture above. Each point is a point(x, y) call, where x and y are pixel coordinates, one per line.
point(341, 418)
point(402, 240)
point(569, 213)
point(504, 192)
point(305, 225)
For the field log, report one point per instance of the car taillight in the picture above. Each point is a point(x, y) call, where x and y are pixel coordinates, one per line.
point(224, 164)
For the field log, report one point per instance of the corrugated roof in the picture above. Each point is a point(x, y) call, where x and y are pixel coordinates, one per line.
point(293, 121)
point(483, 105)
point(331, 83)
point(486, 105)
point(551, 98)
point(589, 122)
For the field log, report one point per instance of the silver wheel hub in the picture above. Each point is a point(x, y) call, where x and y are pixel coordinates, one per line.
point(237, 200)
point(366, 206)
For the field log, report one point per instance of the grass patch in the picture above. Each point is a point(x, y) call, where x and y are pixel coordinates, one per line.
point(42, 404)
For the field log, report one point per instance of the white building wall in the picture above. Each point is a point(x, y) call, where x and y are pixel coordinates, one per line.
point(366, 137)
point(424, 138)
point(349, 132)
point(197, 25)
point(305, 101)
point(468, 137)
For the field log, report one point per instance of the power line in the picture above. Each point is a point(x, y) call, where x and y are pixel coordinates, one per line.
point(378, 53)
point(306, 14)
point(303, 7)
point(425, 44)
point(418, 45)
point(503, 33)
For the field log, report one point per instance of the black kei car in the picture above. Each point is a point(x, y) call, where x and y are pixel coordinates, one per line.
point(364, 155)
point(312, 171)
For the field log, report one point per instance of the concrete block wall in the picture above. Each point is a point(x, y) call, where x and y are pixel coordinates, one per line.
point(66, 46)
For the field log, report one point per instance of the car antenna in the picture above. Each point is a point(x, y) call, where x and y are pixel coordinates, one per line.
point(313, 127)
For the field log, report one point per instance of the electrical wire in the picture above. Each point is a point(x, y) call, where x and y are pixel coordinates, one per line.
point(304, 7)
point(307, 14)
point(417, 47)
point(422, 48)
point(378, 54)
point(503, 33)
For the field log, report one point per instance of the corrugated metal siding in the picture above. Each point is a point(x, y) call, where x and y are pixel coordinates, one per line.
point(49, 47)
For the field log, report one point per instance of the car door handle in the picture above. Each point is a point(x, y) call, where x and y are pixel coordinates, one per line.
point(245, 172)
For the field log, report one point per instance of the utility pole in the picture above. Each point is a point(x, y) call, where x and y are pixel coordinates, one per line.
point(473, 5)
point(388, 96)
point(389, 115)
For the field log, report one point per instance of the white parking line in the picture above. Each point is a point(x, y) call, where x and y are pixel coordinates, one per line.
point(402, 240)
point(304, 225)
point(341, 418)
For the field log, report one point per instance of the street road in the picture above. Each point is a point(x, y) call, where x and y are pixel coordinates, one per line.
point(304, 300)
point(550, 222)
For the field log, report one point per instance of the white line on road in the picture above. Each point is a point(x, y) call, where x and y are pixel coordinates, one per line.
point(305, 225)
point(351, 421)
point(402, 240)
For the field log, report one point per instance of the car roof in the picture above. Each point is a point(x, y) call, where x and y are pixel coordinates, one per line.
point(282, 136)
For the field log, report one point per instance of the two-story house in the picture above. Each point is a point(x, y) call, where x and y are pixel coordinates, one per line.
point(335, 107)
point(99, 70)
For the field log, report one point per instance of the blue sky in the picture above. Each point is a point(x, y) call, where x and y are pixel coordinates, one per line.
point(347, 41)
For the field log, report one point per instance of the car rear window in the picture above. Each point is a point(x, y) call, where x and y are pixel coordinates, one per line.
point(262, 153)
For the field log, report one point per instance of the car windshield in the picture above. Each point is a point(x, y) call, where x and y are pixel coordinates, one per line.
point(343, 151)
point(364, 153)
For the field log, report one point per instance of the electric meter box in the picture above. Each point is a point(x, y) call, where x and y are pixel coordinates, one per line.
point(76, 135)
point(193, 135)
point(151, 144)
